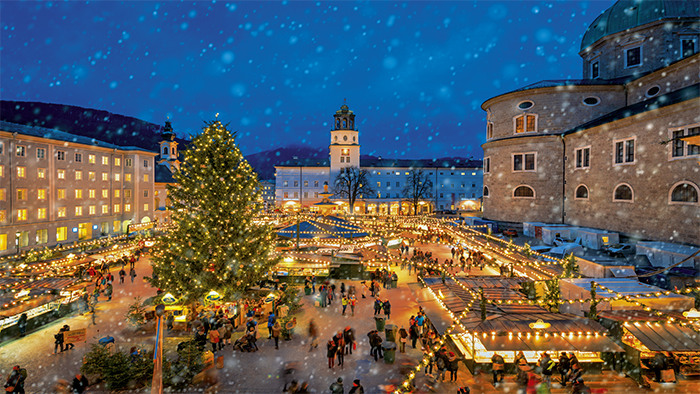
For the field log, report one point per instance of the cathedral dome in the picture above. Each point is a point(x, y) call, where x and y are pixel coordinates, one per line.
point(628, 14)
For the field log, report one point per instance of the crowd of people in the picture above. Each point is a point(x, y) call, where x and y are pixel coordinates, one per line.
point(538, 379)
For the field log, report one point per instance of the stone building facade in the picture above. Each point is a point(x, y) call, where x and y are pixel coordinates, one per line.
point(608, 151)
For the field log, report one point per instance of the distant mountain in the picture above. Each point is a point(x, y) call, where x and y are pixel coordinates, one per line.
point(127, 131)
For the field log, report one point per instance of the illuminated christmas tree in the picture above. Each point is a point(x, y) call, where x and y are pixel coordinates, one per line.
point(216, 243)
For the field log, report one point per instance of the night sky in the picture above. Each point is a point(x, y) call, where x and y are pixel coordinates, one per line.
point(415, 73)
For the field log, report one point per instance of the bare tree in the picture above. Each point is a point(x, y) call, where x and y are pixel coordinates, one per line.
point(418, 187)
point(352, 183)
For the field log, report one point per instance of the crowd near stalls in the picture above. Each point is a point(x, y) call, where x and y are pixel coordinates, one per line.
point(36, 291)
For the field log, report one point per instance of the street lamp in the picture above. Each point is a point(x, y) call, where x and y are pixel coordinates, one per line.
point(157, 383)
point(17, 235)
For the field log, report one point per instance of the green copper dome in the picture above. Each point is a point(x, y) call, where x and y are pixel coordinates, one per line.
point(628, 14)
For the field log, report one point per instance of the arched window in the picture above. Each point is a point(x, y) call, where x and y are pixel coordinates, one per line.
point(486, 191)
point(489, 130)
point(623, 192)
point(337, 123)
point(684, 193)
point(165, 150)
point(581, 193)
point(524, 192)
point(345, 123)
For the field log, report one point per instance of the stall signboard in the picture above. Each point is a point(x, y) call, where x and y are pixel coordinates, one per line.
point(75, 336)
point(169, 299)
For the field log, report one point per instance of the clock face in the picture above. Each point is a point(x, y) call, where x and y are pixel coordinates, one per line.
point(345, 138)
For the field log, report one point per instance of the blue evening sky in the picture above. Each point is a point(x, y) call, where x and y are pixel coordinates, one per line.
point(414, 72)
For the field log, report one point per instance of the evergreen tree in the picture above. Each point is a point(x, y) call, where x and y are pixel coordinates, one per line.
point(593, 312)
point(215, 243)
point(571, 268)
point(552, 295)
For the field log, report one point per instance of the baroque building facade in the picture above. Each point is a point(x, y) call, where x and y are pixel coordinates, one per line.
point(299, 183)
point(616, 150)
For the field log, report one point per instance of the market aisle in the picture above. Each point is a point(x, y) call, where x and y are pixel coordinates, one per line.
point(35, 351)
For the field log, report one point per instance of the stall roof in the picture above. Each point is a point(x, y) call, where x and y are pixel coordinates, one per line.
point(520, 322)
point(620, 285)
point(47, 283)
point(438, 316)
point(551, 343)
point(665, 336)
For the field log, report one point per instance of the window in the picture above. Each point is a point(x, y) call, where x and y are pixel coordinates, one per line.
point(78, 175)
point(398, 184)
point(145, 177)
point(145, 164)
point(523, 192)
point(487, 165)
point(91, 209)
point(91, 175)
point(78, 157)
point(105, 193)
point(127, 193)
point(61, 174)
point(41, 213)
point(595, 69)
point(117, 193)
point(684, 193)
point(633, 57)
point(129, 162)
point(342, 159)
point(653, 91)
point(105, 176)
point(3, 215)
point(315, 183)
point(489, 130)
point(21, 194)
point(105, 160)
point(2, 148)
point(296, 194)
point(285, 183)
point(145, 193)
point(286, 195)
point(2, 170)
point(681, 148)
point(127, 177)
point(61, 234)
point(527, 104)
point(117, 177)
point(689, 46)
point(127, 207)
point(583, 157)
point(60, 155)
point(61, 213)
point(21, 172)
point(21, 150)
point(40, 153)
point(581, 193)
point(525, 123)
point(2, 194)
point(105, 209)
point(78, 193)
point(42, 236)
point(117, 161)
point(591, 101)
point(379, 184)
point(623, 192)
point(60, 194)
point(306, 183)
point(91, 159)
point(41, 194)
point(388, 184)
point(315, 195)
point(21, 215)
point(296, 183)
point(116, 226)
point(91, 193)
point(306, 194)
point(41, 173)
point(524, 162)
point(117, 208)
point(624, 151)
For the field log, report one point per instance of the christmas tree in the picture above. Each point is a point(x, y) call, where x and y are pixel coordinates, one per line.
point(216, 243)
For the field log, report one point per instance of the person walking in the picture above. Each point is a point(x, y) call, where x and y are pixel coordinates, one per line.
point(270, 322)
point(547, 365)
point(214, 339)
point(66, 346)
point(331, 351)
point(122, 275)
point(108, 291)
point(276, 330)
point(344, 301)
point(58, 341)
point(313, 335)
point(377, 306)
point(339, 341)
point(253, 336)
point(403, 337)
point(414, 333)
point(132, 274)
point(15, 381)
point(337, 387)
point(452, 366)
point(349, 337)
point(80, 384)
point(22, 324)
point(353, 301)
point(324, 295)
point(563, 368)
point(387, 309)
point(497, 367)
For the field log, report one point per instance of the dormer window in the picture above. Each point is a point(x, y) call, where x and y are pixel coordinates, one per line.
point(595, 69)
point(689, 46)
point(633, 57)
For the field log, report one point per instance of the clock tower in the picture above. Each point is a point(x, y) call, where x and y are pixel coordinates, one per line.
point(345, 141)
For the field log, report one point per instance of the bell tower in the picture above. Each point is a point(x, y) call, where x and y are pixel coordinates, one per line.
point(168, 147)
point(345, 141)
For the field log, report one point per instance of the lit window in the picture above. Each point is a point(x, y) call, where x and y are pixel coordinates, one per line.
point(127, 177)
point(91, 209)
point(105, 176)
point(41, 213)
point(105, 209)
point(61, 212)
point(41, 194)
point(624, 151)
point(21, 172)
point(117, 177)
point(61, 234)
point(105, 193)
point(3, 241)
point(583, 157)
point(145, 177)
point(91, 193)
point(127, 193)
point(21, 150)
point(105, 160)
point(78, 193)
point(61, 174)
point(681, 148)
point(78, 175)
point(116, 193)
point(117, 161)
point(61, 194)
point(21, 215)
point(41, 173)
point(40, 153)
point(91, 175)
point(145, 207)
point(91, 159)
point(117, 208)
point(525, 123)
point(127, 207)
point(523, 192)
point(42, 236)
point(21, 194)
point(2, 170)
